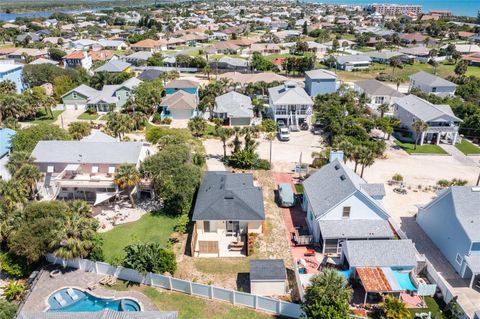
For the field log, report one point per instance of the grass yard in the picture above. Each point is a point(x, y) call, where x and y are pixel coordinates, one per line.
point(149, 228)
point(299, 188)
point(467, 147)
point(226, 266)
point(421, 149)
point(87, 116)
point(104, 117)
point(43, 118)
point(432, 307)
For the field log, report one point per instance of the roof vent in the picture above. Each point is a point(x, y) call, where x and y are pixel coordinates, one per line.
point(342, 177)
point(475, 189)
point(337, 167)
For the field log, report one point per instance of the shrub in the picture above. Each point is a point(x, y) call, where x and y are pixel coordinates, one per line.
point(156, 118)
point(443, 183)
point(8, 309)
point(397, 178)
point(149, 257)
point(167, 121)
point(14, 266)
point(182, 223)
point(241, 159)
point(269, 125)
point(262, 164)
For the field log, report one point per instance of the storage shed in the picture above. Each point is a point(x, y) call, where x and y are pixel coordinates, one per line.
point(268, 277)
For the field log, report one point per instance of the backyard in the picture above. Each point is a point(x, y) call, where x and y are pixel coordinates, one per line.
point(43, 118)
point(88, 116)
point(467, 147)
point(421, 149)
point(193, 307)
point(150, 228)
point(433, 307)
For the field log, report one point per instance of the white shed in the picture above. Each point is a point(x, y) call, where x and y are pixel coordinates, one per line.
point(268, 277)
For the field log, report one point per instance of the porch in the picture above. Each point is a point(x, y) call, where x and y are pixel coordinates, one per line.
point(440, 134)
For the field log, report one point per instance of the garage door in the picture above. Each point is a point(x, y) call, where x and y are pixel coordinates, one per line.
point(181, 114)
point(240, 121)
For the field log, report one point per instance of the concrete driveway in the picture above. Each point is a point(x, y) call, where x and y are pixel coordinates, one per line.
point(67, 117)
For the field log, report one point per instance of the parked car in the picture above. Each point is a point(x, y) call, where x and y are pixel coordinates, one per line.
point(304, 126)
point(283, 134)
point(281, 123)
point(286, 196)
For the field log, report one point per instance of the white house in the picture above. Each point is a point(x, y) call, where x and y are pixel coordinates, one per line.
point(378, 93)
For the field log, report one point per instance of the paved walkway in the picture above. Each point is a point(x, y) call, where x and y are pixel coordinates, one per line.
point(67, 117)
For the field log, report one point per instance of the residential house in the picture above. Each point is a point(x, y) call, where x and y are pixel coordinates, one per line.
point(352, 62)
point(150, 74)
point(219, 36)
point(13, 73)
point(229, 63)
point(137, 58)
point(44, 61)
point(419, 53)
point(386, 56)
point(452, 221)
point(223, 48)
point(473, 59)
point(265, 48)
point(320, 82)
point(21, 54)
point(6, 136)
point(429, 83)
point(150, 45)
point(180, 105)
point(290, 103)
point(378, 93)
point(102, 55)
point(85, 169)
point(412, 38)
point(442, 123)
point(77, 59)
point(228, 208)
point(188, 86)
point(110, 98)
point(341, 206)
point(28, 38)
point(83, 45)
point(115, 45)
point(115, 66)
point(234, 108)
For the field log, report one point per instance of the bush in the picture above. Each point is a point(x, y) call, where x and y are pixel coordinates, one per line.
point(269, 125)
point(167, 121)
point(385, 77)
point(397, 178)
point(8, 310)
point(182, 223)
point(262, 164)
point(13, 265)
point(443, 183)
point(156, 118)
point(241, 159)
point(149, 257)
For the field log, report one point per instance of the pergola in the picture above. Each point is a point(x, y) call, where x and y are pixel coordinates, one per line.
point(374, 280)
point(473, 262)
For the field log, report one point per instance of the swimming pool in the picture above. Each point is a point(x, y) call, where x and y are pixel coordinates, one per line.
point(345, 273)
point(75, 300)
point(403, 279)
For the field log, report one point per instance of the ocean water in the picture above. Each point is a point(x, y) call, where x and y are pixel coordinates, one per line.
point(459, 7)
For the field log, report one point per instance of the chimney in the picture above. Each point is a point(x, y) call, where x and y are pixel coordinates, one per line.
point(336, 155)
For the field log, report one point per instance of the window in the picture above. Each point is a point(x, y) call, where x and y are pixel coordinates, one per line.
point(206, 226)
point(111, 169)
point(459, 259)
point(74, 95)
point(94, 169)
point(50, 169)
point(434, 89)
point(346, 212)
point(476, 247)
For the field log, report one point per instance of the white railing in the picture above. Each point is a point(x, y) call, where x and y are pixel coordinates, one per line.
point(233, 297)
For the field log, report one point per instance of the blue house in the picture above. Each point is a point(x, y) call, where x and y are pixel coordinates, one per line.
point(320, 82)
point(452, 221)
point(188, 86)
point(6, 135)
point(12, 72)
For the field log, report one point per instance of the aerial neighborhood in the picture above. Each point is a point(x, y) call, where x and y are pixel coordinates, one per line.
point(239, 159)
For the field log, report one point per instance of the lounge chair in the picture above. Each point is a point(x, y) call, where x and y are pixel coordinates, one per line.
point(72, 294)
point(58, 297)
point(105, 280)
point(92, 286)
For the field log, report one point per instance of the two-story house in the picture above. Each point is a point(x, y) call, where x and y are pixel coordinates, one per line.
point(188, 86)
point(320, 82)
point(229, 207)
point(341, 206)
point(77, 59)
point(378, 93)
point(85, 169)
point(431, 84)
point(452, 221)
point(13, 73)
point(290, 103)
point(442, 123)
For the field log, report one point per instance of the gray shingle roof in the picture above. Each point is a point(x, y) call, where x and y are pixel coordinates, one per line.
point(425, 110)
point(114, 66)
point(380, 253)
point(374, 190)
point(430, 79)
point(234, 104)
point(106, 314)
point(74, 152)
point(321, 74)
point(331, 185)
point(234, 61)
point(267, 269)
point(355, 228)
point(228, 196)
point(352, 58)
point(84, 90)
point(180, 100)
point(182, 84)
point(283, 95)
point(375, 87)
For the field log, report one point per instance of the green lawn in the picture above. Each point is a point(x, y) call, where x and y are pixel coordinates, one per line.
point(104, 117)
point(432, 307)
point(87, 116)
point(43, 118)
point(299, 188)
point(222, 265)
point(149, 228)
point(467, 147)
point(421, 149)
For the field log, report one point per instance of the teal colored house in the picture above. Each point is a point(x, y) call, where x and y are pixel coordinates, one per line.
point(188, 86)
point(6, 136)
point(452, 221)
point(13, 73)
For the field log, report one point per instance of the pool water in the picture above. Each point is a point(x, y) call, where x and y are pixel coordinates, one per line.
point(403, 279)
point(89, 303)
point(345, 273)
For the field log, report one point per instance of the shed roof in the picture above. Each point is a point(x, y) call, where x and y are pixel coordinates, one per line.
point(267, 270)
point(321, 74)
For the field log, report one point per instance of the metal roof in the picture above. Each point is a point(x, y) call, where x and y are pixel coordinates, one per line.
point(425, 110)
point(267, 269)
point(228, 196)
point(380, 253)
point(355, 228)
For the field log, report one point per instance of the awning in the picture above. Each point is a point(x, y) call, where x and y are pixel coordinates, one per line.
point(72, 167)
point(374, 280)
point(103, 196)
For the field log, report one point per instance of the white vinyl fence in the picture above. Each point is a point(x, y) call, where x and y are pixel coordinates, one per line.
point(277, 307)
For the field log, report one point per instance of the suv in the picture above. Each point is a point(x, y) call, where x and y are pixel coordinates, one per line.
point(283, 134)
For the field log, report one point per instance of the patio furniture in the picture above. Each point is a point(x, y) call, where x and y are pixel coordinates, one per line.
point(58, 297)
point(54, 273)
point(310, 252)
point(92, 286)
point(72, 294)
point(236, 246)
point(302, 237)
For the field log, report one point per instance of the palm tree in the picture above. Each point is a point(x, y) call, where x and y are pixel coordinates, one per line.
point(368, 158)
point(13, 194)
point(395, 62)
point(224, 133)
point(29, 175)
point(383, 108)
point(207, 70)
point(127, 176)
point(236, 143)
point(13, 290)
point(394, 308)
point(419, 127)
point(197, 126)
point(18, 159)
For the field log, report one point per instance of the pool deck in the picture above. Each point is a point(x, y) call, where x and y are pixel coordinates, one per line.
point(45, 286)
